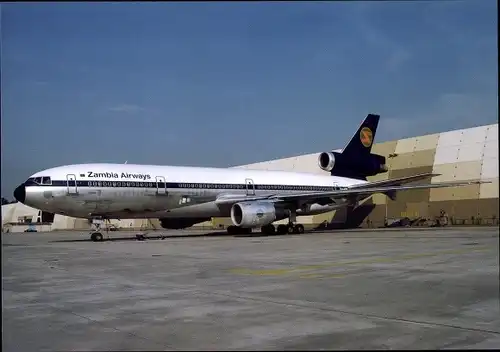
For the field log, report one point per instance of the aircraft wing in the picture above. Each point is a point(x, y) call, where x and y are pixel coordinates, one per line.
point(388, 187)
point(395, 181)
point(363, 192)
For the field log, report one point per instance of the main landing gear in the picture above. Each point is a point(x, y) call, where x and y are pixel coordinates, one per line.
point(283, 229)
point(292, 227)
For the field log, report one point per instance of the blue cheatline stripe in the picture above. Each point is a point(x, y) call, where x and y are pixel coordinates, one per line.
point(139, 184)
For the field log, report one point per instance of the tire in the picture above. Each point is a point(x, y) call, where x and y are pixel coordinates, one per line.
point(96, 237)
point(299, 228)
point(268, 229)
point(290, 229)
point(282, 229)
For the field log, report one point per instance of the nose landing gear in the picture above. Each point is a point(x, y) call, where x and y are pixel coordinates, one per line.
point(96, 235)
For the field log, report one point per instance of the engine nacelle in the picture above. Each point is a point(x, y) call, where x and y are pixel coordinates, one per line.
point(339, 164)
point(253, 214)
point(326, 161)
point(180, 223)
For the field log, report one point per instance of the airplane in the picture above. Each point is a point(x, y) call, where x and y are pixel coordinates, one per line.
point(181, 196)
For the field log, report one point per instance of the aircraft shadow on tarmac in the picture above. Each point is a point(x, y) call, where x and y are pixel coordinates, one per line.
point(147, 237)
point(164, 237)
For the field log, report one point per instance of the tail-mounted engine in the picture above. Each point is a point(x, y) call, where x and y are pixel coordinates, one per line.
point(355, 167)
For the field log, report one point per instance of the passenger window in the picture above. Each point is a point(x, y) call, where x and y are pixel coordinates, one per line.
point(46, 180)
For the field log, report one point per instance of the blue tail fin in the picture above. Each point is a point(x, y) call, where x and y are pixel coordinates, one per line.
point(356, 160)
point(361, 143)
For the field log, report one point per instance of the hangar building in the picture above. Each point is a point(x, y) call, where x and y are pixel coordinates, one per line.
point(460, 155)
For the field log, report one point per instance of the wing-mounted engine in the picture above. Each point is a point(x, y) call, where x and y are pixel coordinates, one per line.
point(180, 223)
point(255, 214)
point(339, 164)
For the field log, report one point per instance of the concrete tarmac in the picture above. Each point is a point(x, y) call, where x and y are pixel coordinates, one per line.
point(406, 289)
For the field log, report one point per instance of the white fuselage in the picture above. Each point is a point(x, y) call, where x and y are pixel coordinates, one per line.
point(148, 191)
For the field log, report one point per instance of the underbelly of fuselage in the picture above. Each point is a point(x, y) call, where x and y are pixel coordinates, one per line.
point(130, 204)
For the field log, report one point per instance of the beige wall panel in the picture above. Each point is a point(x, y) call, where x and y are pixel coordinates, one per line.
point(379, 199)
point(378, 177)
point(376, 216)
point(492, 133)
point(384, 148)
point(470, 152)
point(429, 141)
point(474, 135)
point(490, 150)
point(81, 224)
point(488, 208)
point(447, 172)
point(470, 170)
point(454, 193)
point(60, 222)
point(309, 163)
point(402, 161)
point(318, 219)
point(217, 222)
point(489, 190)
point(415, 210)
point(309, 219)
point(406, 145)
point(421, 195)
point(422, 158)
point(458, 171)
point(395, 209)
point(410, 171)
point(450, 138)
point(8, 211)
point(446, 154)
point(271, 165)
point(287, 164)
point(465, 209)
point(489, 168)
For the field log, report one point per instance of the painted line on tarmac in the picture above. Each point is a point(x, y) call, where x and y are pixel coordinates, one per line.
point(302, 269)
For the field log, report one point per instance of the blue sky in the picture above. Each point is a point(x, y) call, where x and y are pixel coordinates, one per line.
point(221, 84)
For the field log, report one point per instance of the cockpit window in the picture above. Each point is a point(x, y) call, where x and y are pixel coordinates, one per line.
point(43, 180)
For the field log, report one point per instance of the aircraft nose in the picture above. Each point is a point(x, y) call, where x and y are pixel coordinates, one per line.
point(20, 193)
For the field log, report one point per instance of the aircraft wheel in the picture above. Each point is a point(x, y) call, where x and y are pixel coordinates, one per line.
point(232, 230)
point(290, 229)
point(299, 228)
point(268, 229)
point(282, 229)
point(96, 237)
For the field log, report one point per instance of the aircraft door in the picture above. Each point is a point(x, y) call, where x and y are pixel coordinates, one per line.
point(71, 184)
point(250, 187)
point(161, 185)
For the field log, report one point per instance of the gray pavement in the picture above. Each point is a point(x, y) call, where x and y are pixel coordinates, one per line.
point(401, 289)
